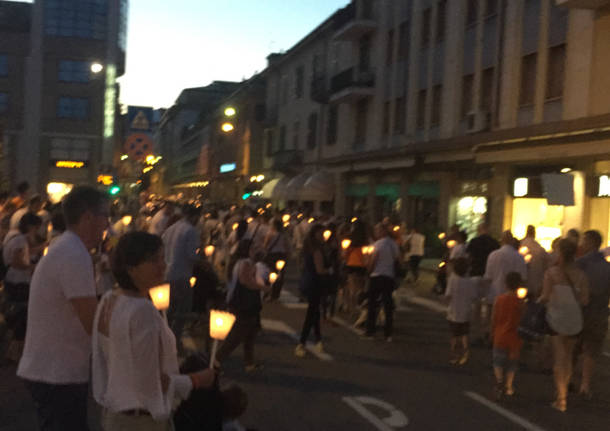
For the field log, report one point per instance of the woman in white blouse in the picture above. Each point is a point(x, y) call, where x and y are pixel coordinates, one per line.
point(135, 365)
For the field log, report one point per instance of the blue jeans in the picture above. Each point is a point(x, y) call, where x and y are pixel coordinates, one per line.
point(60, 407)
point(180, 304)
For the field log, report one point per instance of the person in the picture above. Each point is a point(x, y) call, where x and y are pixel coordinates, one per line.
point(565, 290)
point(461, 293)
point(505, 319)
point(55, 362)
point(311, 287)
point(382, 281)
point(595, 313)
point(500, 262)
point(331, 281)
point(355, 266)
point(181, 242)
point(135, 375)
point(8, 210)
point(415, 251)
point(123, 224)
point(276, 248)
point(160, 220)
point(479, 250)
point(459, 249)
point(34, 206)
point(244, 301)
point(23, 190)
point(538, 264)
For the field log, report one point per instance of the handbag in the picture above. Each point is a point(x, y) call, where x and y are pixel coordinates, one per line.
point(533, 325)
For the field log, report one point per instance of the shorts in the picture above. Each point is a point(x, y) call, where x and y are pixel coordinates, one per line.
point(459, 329)
point(501, 359)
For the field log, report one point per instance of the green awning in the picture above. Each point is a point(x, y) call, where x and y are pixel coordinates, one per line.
point(390, 191)
point(424, 189)
point(357, 190)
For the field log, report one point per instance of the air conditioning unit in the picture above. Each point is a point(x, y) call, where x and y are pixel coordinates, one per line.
point(477, 121)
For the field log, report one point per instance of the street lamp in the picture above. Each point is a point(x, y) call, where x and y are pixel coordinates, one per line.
point(96, 67)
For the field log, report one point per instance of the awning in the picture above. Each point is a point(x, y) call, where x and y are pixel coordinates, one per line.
point(269, 187)
point(294, 187)
point(279, 191)
point(318, 187)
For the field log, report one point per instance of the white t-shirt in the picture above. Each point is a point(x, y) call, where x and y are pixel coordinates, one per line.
point(181, 242)
point(386, 252)
point(13, 241)
point(416, 244)
point(459, 250)
point(16, 217)
point(461, 291)
point(499, 263)
point(57, 347)
point(158, 224)
point(127, 364)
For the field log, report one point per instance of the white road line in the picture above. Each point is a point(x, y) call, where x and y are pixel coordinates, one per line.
point(503, 412)
point(279, 326)
point(397, 419)
point(295, 305)
point(339, 321)
point(428, 303)
point(607, 354)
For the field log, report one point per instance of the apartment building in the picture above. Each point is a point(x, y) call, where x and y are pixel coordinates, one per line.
point(58, 93)
point(435, 110)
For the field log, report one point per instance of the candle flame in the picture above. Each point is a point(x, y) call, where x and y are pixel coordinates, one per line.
point(521, 292)
point(327, 234)
point(346, 243)
point(192, 281)
point(440, 265)
point(396, 228)
point(311, 220)
point(46, 250)
point(235, 226)
point(209, 250)
point(451, 243)
point(524, 250)
point(279, 265)
point(126, 220)
point(527, 258)
point(442, 236)
point(286, 218)
point(354, 219)
point(272, 277)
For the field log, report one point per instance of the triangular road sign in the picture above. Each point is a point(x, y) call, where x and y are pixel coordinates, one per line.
point(140, 122)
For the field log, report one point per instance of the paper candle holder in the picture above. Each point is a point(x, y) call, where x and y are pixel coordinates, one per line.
point(221, 323)
point(272, 277)
point(521, 292)
point(160, 296)
point(346, 243)
point(209, 250)
point(280, 264)
point(327, 234)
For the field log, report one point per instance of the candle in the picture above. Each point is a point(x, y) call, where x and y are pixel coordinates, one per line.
point(521, 292)
point(49, 227)
point(524, 251)
point(396, 228)
point(272, 277)
point(268, 206)
point(311, 220)
point(279, 265)
point(221, 323)
point(346, 243)
point(235, 225)
point(451, 243)
point(286, 218)
point(249, 220)
point(126, 220)
point(442, 236)
point(192, 281)
point(286, 224)
point(46, 250)
point(608, 258)
point(160, 296)
point(209, 250)
point(527, 258)
point(440, 265)
point(354, 219)
point(327, 234)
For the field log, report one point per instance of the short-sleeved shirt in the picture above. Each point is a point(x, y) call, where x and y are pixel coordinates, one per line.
point(385, 254)
point(462, 292)
point(13, 241)
point(507, 316)
point(57, 347)
point(181, 242)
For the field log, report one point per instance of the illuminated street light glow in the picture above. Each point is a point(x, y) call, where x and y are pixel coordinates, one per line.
point(96, 67)
point(230, 111)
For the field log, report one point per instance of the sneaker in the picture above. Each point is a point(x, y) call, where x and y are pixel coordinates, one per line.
point(300, 351)
point(464, 357)
point(319, 347)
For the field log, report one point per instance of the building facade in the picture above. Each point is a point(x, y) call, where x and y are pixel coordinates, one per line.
point(58, 92)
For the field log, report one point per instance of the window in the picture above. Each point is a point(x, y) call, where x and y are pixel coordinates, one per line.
point(315, 65)
point(296, 130)
point(83, 18)
point(555, 72)
point(364, 49)
point(124, 10)
point(421, 109)
point(73, 71)
point(487, 88)
point(269, 141)
point(284, 94)
point(528, 79)
point(437, 102)
point(3, 65)
point(425, 27)
point(385, 124)
point(467, 87)
point(298, 82)
point(312, 130)
point(440, 20)
point(331, 131)
point(491, 7)
point(471, 12)
point(73, 107)
point(282, 143)
point(389, 48)
point(3, 102)
point(404, 41)
point(400, 111)
point(361, 110)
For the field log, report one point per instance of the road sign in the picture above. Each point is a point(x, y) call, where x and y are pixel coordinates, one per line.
point(140, 118)
point(138, 145)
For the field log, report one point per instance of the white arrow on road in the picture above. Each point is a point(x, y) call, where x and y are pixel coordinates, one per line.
point(396, 418)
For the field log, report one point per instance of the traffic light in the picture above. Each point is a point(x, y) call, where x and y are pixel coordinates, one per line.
point(114, 190)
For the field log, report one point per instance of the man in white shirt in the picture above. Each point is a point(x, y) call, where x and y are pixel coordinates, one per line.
point(415, 253)
point(159, 222)
point(181, 242)
point(539, 263)
point(34, 206)
point(55, 361)
point(500, 262)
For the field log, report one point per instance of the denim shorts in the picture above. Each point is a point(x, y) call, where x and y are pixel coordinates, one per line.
point(501, 359)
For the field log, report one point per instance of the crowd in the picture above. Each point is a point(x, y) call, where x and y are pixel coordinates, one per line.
point(77, 278)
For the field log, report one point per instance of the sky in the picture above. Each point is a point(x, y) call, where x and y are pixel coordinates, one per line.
point(176, 44)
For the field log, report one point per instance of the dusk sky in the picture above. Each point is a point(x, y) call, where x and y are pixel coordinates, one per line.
point(189, 43)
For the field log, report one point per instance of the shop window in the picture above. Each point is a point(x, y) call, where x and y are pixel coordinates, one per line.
point(76, 108)
point(528, 79)
point(555, 72)
point(83, 18)
point(471, 212)
point(400, 116)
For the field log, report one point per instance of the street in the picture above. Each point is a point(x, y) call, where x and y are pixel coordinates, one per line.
point(370, 384)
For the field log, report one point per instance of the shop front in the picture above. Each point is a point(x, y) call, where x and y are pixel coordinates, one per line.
point(599, 216)
point(469, 208)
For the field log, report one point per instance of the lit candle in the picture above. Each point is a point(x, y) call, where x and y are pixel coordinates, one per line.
point(46, 250)
point(286, 224)
point(220, 326)
point(126, 220)
point(300, 216)
point(249, 220)
point(209, 250)
point(442, 236)
point(396, 228)
point(440, 265)
point(527, 258)
point(354, 219)
point(235, 225)
point(286, 218)
point(524, 251)
point(521, 292)
point(346, 243)
point(608, 258)
point(272, 277)
point(160, 296)
point(311, 220)
point(279, 265)
point(326, 234)
point(193, 280)
point(451, 243)
point(49, 227)
point(268, 206)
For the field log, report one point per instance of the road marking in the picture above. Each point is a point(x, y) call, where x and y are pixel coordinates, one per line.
point(396, 418)
point(607, 354)
point(295, 305)
point(503, 412)
point(339, 321)
point(428, 303)
point(279, 326)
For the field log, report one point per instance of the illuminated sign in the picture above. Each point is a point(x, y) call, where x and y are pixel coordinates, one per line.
point(105, 179)
point(604, 186)
point(227, 167)
point(70, 164)
point(520, 187)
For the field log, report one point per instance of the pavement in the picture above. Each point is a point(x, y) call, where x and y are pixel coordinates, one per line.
point(359, 384)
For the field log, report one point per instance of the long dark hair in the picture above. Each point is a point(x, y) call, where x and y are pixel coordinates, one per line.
point(311, 242)
point(133, 249)
point(359, 235)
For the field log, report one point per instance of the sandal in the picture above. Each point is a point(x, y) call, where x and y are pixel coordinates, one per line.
point(560, 405)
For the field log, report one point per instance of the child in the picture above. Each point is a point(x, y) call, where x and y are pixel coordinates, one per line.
point(505, 319)
point(461, 292)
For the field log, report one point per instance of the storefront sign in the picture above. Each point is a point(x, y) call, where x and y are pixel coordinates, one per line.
point(520, 187)
point(70, 164)
point(604, 186)
point(227, 167)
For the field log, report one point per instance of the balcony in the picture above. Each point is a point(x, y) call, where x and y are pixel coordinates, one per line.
point(583, 4)
point(287, 161)
point(351, 23)
point(319, 89)
point(352, 85)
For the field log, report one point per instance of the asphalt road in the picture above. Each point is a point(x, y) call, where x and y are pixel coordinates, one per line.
point(373, 385)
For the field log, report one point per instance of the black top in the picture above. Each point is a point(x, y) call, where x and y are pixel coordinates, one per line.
point(479, 250)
